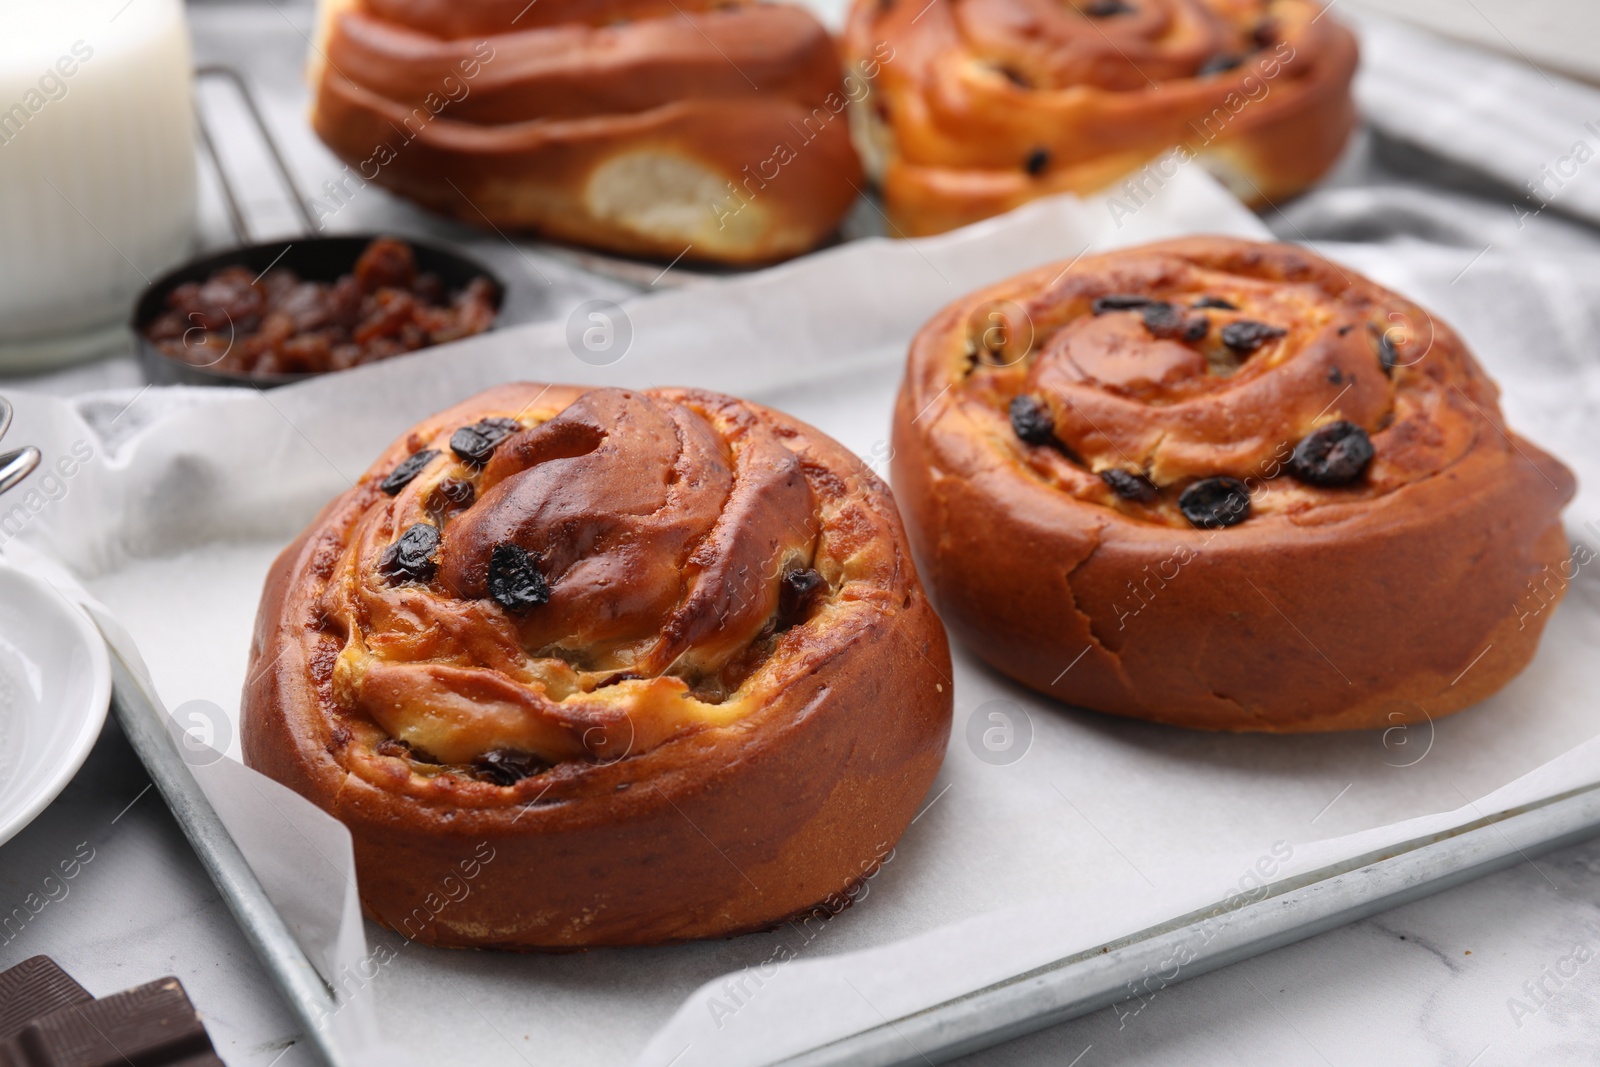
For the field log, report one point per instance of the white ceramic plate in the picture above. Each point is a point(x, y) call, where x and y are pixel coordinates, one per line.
point(55, 685)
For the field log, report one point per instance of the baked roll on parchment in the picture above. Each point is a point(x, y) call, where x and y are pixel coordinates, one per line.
point(603, 667)
point(986, 104)
point(1226, 485)
point(714, 130)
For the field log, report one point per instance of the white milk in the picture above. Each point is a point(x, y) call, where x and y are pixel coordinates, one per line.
point(97, 169)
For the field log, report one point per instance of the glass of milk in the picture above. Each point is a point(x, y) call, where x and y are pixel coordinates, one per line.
point(97, 170)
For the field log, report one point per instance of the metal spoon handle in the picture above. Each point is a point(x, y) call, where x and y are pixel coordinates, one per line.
point(17, 465)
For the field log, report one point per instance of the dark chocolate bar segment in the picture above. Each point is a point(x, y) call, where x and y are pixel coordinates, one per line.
point(32, 988)
point(152, 1025)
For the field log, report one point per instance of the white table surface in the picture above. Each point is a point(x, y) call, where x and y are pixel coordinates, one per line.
point(1454, 979)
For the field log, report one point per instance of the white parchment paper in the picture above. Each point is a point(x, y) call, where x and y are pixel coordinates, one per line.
point(1097, 828)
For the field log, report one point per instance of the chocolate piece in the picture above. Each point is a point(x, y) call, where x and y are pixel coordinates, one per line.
point(507, 766)
point(1128, 485)
point(1218, 64)
point(514, 579)
point(1031, 420)
point(476, 443)
point(1335, 454)
point(149, 1025)
point(1036, 161)
point(1246, 335)
point(35, 987)
point(1214, 302)
point(408, 469)
point(1215, 502)
point(796, 594)
point(411, 557)
point(1120, 302)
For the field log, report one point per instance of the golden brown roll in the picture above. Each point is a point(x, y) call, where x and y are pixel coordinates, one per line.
point(603, 667)
point(983, 105)
point(1226, 485)
point(711, 129)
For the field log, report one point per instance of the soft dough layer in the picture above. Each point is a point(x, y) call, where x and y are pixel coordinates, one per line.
point(711, 130)
point(1223, 484)
point(987, 104)
point(663, 653)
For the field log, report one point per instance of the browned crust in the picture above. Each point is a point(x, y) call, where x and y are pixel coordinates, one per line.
point(953, 132)
point(517, 144)
point(1367, 610)
point(715, 832)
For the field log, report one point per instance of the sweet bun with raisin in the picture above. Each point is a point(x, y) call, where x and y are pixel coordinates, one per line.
point(710, 130)
point(1226, 485)
point(655, 664)
point(977, 106)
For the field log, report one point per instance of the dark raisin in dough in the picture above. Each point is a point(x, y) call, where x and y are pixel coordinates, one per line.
point(1120, 302)
point(408, 469)
point(1335, 454)
point(1031, 420)
point(1218, 64)
point(796, 594)
point(1214, 302)
point(476, 443)
point(1246, 335)
point(1385, 347)
point(1104, 9)
point(1036, 162)
point(1214, 502)
point(507, 766)
point(410, 559)
point(515, 581)
point(1128, 485)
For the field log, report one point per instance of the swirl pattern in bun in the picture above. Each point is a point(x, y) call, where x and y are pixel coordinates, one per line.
point(1225, 485)
point(987, 104)
point(708, 129)
point(662, 654)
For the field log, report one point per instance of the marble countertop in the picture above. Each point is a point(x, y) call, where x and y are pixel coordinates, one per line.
point(1498, 971)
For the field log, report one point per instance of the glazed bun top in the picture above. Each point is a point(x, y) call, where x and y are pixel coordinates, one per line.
point(1213, 382)
point(548, 574)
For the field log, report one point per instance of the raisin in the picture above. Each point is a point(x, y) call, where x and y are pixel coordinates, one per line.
point(620, 676)
point(409, 468)
point(1104, 9)
point(1162, 319)
point(1335, 375)
point(398, 749)
point(1214, 302)
point(476, 443)
point(450, 496)
point(507, 766)
point(1386, 351)
point(1196, 328)
point(1335, 454)
point(796, 593)
point(1245, 336)
point(1218, 64)
point(1346, 328)
point(1128, 485)
point(1031, 420)
point(411, 557)
point(1215, 502)
point(1120, 302)
point(385, 263)
point(1036, 161)
point(1264, 33)
point(515, 581)
point(1016, 77)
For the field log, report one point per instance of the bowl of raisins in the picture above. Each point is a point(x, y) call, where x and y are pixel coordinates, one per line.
point(271, 314)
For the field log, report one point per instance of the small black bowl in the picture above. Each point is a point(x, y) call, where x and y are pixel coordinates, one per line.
point(316, 259)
